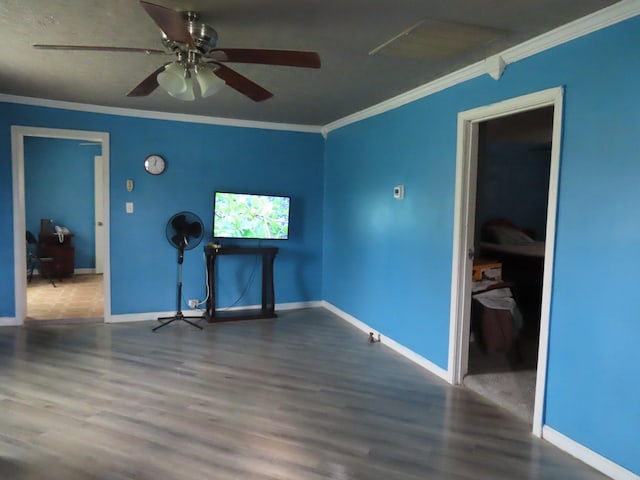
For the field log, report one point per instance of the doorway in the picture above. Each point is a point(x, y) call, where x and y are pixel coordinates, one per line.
point(467, 234)
point(18, 135)
point(513, 161)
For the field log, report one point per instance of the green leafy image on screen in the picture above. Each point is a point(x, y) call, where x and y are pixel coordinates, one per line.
point(241, 215)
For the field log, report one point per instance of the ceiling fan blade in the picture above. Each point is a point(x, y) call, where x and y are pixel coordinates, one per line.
point(290, 58)
point(172, 23)
point(241, 83)
point(148, 85)
point(92, 48)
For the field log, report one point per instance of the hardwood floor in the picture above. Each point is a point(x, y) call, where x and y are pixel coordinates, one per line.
point(304, 396)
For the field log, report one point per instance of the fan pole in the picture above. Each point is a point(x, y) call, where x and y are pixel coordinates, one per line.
point(180, 260)
point(178, 316)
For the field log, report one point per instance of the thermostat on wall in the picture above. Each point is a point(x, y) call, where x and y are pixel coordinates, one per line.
point(398, 192)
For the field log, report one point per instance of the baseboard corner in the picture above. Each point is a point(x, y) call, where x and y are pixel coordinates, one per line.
point(389, 342)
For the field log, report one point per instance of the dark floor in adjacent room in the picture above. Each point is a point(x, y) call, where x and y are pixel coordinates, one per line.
point(508, 378)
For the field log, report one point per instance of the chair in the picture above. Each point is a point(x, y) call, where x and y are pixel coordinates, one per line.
point(35, 260)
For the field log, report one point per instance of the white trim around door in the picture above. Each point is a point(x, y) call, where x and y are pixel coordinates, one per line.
point(18, 133)
point(463, 233)
point(98, 190)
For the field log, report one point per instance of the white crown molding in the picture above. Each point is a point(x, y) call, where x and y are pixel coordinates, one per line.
point(606, 17)
point(442, 83)
point(578, 28)
point(587, 456)
point(392, 344)
point(176, 117)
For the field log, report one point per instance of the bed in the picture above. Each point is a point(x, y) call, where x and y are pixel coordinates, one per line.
point(534, 249)
point(522, 259)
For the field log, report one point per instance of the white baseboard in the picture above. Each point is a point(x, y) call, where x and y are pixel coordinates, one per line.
point(84, 271)
point(564, 443)
point(145, 317)
point(279, 306)
point(586, 455)
point(561, 441)
point(141, 317)
point(296, 305)
point(401, 349)
point(9, 322)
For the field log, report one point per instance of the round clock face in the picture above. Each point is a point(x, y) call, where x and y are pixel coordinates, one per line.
point(155, 164)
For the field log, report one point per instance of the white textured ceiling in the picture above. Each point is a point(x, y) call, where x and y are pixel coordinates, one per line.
point(343, 32)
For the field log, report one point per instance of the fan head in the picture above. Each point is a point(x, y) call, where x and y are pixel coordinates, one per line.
point(184, 230)
point(204, 37)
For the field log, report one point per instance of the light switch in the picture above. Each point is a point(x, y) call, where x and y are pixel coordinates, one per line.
point(398, 192)
point(129, 185)
point(129, 207)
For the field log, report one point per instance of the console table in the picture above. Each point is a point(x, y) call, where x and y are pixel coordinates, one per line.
point(267, 310)
point(62, 253)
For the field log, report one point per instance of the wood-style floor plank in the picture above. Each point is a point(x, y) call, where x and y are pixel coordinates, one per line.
point(304, 396)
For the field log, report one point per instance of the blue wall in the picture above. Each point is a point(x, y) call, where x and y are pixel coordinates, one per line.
point(201, 158)
point(59, 184)
point(388, 262)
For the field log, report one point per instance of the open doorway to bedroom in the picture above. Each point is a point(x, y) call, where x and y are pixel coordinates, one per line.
point(512, 189)
point(507, 173)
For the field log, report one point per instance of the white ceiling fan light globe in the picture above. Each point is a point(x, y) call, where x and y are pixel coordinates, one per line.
point(209, 82)
point(172, 79)
point(188, 94)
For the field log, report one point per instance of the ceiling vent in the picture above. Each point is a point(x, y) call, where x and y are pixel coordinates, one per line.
point(432, 39)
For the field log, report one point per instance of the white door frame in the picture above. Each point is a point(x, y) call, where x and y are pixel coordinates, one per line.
point(99, 215)
point(18, 133)
point(463, 233)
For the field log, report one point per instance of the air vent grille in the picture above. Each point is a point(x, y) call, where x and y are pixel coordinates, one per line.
point(437, 40)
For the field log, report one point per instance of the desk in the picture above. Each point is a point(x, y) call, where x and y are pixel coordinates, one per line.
point(63, 254)
point(267, 310)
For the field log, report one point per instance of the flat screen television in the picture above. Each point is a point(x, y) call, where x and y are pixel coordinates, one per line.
point(243, 215)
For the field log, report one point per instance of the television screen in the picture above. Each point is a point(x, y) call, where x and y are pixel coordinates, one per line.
point(241, 215)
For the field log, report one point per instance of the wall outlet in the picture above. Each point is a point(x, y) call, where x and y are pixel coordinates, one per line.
point(193, 303)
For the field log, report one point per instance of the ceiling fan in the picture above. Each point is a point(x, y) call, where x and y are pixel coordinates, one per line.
point(195, 47)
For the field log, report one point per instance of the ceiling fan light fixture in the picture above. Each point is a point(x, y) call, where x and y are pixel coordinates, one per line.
point(188, 94)
point(173, 79)
point(209, 82)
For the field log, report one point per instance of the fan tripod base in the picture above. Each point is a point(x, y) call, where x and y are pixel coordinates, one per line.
point(177, 316)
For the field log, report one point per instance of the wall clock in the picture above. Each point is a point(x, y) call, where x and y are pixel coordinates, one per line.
point(155, 164)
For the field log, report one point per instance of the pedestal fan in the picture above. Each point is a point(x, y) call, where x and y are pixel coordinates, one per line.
point(184, 232)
